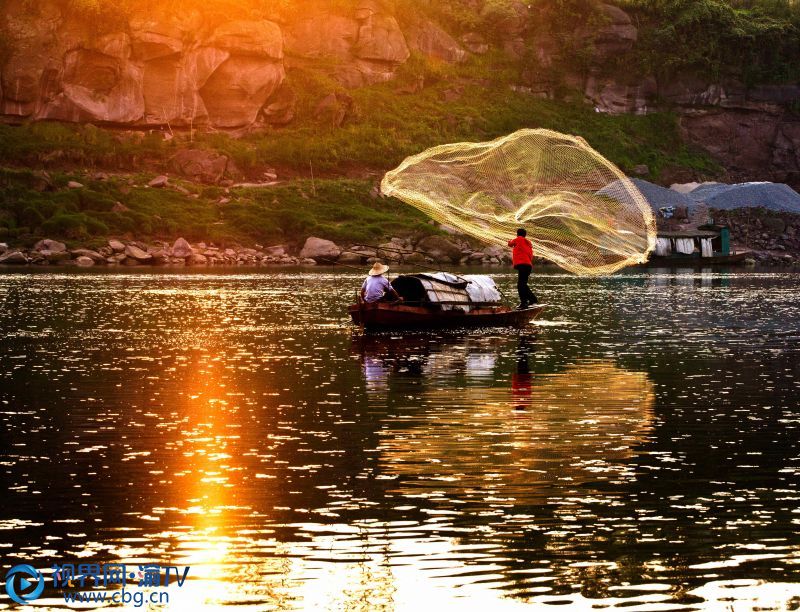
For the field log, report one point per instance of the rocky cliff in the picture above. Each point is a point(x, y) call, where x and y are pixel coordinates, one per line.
point(185, 69)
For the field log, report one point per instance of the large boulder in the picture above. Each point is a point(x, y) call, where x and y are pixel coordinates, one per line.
point(320, 250)
point(94, 256)
point(199, 165)
point(140, 255)
point(380, 39)
point(13, 257)
point(54, 246)
point(236, 91)
point(182, 249)
point(440, 249)
point(97, 82)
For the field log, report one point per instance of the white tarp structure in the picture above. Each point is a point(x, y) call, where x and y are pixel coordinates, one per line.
point(706, 250)
point(663, 247)
point(684, 245)
point(452, 291)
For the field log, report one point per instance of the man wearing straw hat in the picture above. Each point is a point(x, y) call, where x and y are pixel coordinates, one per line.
point(377, 288)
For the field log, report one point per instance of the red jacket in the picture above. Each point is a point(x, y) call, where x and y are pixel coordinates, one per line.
point(523, 251)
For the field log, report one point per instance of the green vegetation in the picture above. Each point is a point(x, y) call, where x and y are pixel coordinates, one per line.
point(756, 41)
point(33, 206)
point(471, 102)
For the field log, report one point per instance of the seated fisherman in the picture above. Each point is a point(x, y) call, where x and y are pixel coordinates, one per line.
point(377, 288)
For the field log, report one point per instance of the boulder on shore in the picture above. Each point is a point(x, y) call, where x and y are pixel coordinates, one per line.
point(181, 248)
point(116, 246)
point(441, 249)
point(84, 261)
point(134, 252)
point(200, 165)
point(93, 255)
point(53, 246)
point(13, 257)
point(350, 258)
point(320, 250)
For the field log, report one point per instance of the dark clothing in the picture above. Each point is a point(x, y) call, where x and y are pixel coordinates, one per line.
point(526, 296)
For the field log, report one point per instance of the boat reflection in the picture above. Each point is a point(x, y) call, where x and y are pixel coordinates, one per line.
point(488, 443)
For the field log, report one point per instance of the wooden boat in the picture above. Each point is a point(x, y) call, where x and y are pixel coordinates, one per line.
point(442, 300)
point(383, 315)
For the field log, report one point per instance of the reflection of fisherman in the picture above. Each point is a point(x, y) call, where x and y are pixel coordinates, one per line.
point(522, 260)
point(521, 378)
point(377, 288)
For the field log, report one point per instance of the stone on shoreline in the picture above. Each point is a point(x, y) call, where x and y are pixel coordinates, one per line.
point(440, 249)
point(134, 252)
point(349, 257)
point(320, 250)
point(181, 248)
point(93, 255)
point(116, 246)
point(55, 256)
point(84, 261)
point(13, 257)
point(53, 246)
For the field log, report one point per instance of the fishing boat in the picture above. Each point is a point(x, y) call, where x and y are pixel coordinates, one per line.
point(708, 245)
point(442, 300)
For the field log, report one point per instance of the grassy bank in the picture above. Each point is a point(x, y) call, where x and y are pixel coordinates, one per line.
point(346, 211)
point(469, 102)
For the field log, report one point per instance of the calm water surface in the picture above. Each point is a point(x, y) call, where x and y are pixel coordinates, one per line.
point(639, 448)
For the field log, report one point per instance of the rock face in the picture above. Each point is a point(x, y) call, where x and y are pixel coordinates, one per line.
point(159, 66)
point(184, 68)
point(750, 144)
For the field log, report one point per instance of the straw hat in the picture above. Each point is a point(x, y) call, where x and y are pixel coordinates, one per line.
point(378, 268)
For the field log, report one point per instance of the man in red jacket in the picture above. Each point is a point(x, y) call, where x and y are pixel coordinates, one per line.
point(522, 260)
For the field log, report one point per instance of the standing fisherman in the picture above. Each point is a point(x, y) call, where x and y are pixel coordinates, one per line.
point(522, 260)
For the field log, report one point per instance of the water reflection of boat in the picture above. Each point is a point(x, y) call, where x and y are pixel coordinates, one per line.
point(440, 300)
point(576, 425)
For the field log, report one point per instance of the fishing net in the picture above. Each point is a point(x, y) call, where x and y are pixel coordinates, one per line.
point(580, 211)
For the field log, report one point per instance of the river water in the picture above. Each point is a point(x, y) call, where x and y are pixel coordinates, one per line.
point(639, 447)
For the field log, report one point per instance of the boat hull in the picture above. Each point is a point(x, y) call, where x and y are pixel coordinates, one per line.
point(384, 315)
point(698, 262)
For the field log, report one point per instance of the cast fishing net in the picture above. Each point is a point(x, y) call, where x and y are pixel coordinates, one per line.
point(581, 212)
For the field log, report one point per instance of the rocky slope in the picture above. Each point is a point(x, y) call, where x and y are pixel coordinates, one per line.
point(187, 70)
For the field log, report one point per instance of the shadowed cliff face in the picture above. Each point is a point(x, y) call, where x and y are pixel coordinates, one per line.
point(187, 69)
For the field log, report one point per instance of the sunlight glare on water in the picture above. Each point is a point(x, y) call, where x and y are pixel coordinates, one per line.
point(638, 447)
